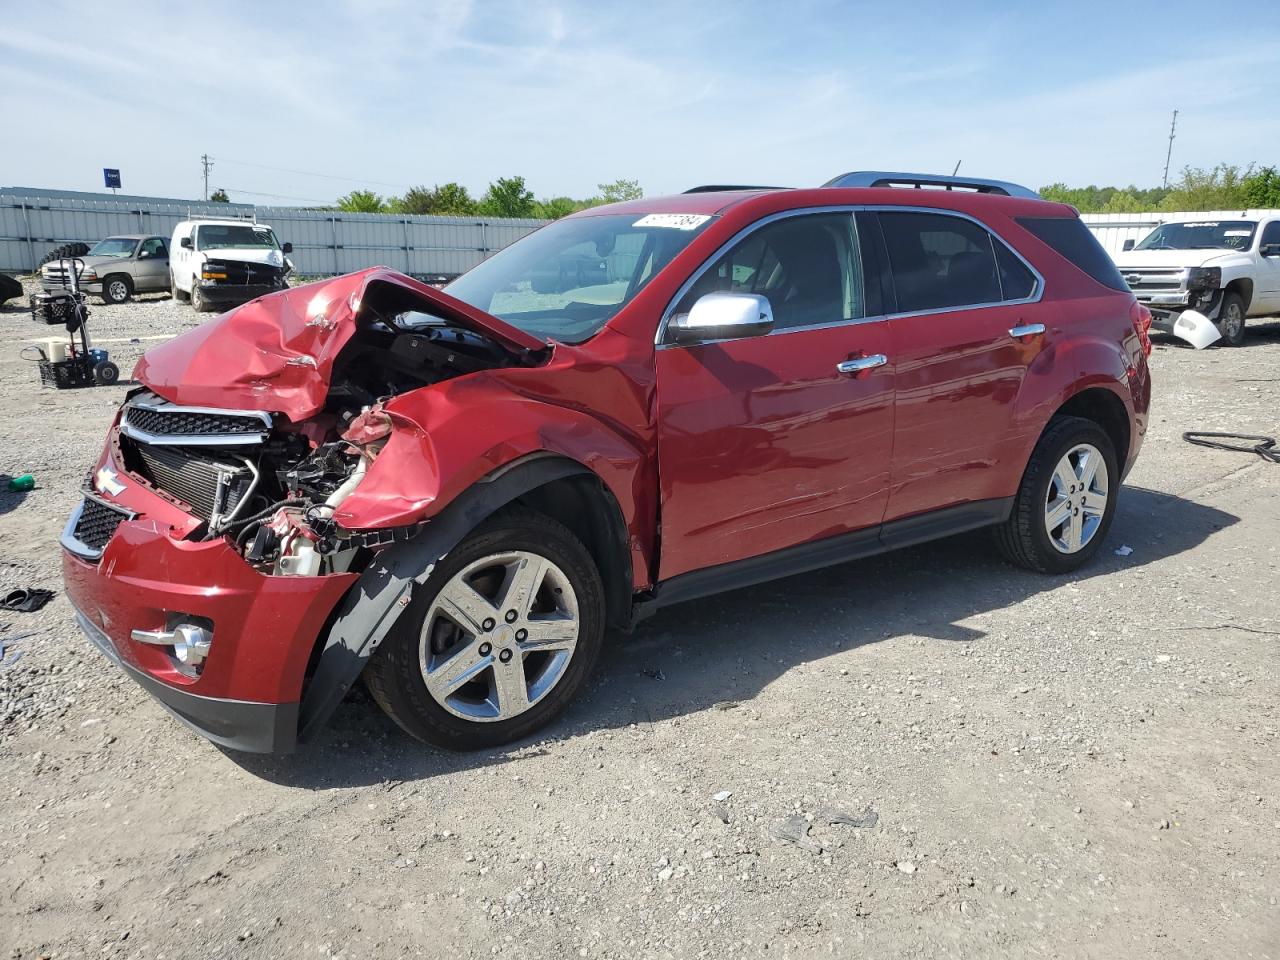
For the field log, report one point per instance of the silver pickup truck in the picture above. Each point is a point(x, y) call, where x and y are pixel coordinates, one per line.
point(116, 268)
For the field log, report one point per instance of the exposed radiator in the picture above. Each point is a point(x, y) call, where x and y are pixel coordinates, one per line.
point(209, 485)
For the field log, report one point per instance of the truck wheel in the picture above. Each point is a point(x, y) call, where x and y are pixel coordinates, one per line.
point(198, 302)
point(175, 291)
point(1066, 501)
point(116, 289)
point(1231, 320)
point(499, 639)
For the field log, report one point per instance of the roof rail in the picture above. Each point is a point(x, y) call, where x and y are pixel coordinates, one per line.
point(722, 187)
point(880, 178)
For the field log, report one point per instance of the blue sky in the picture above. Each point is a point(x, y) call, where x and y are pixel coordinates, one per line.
point(671, 94)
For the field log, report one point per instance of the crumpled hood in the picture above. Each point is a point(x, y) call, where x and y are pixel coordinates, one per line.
point(246, 255)
point(276, 353)
point(1138, 259)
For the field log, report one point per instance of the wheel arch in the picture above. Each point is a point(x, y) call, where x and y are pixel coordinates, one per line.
point(119, 275)
point(1242, 287)
point(1105, 408)
point(554, 483)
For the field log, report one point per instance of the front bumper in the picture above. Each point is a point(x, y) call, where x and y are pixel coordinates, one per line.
point(92, 287)
point(234, 294)
point(1166, 309)
point(265, 628)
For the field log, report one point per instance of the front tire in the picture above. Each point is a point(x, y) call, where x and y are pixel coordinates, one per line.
point(498, 641)
point(198, 301)
point(1066, 501)
point(116, 289)
point(1231, 320)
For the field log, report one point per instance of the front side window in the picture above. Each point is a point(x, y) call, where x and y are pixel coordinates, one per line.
point(807, 267)
point(113, 247)
point(567, 280)
point(222, 236)
point(154, 247)
point(1271, 234)
point(939, 262)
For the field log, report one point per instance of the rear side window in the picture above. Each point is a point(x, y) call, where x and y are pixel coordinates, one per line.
point(1016, 281)
point(1073, 240)
point(938, 261)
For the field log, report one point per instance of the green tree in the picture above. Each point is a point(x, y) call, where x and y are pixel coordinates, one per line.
point(450, 199)
point(1219, 188)
point(1262, 189)
point(507, 197)
point(362, 201)
point(219, 196)
point(553, 208)
point(619, 190)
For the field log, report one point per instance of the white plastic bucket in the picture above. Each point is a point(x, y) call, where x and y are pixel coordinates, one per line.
point(55, 348)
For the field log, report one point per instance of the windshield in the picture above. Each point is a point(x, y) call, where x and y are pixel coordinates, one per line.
point(1201, 235)
point(219, 236)
point(567, 280)
point(113, 247)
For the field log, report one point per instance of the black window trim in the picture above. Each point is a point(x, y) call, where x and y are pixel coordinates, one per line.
point(661, 343)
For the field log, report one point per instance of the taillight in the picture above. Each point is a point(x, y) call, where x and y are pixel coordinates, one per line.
point(1141, 318)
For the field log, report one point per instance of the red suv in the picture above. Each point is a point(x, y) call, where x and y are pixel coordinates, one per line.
point(458, 493)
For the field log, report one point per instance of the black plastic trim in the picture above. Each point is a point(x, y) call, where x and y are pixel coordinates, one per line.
point(826, 552)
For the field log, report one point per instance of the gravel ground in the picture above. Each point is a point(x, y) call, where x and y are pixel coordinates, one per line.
point(922, 755)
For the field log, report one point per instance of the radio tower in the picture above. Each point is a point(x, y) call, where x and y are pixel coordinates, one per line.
point(1168, 156)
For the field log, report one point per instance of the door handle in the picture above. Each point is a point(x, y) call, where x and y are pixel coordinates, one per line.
point(1027, 330)
point(859, 364)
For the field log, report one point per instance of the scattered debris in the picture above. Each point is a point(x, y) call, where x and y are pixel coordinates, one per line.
point(906, 866)
point(722, 796)
point(26, 601)
point(721, 813)
point(1124, 551)
point(835, 817)
point(654, 674)
point(795, 829)
point(726, 705)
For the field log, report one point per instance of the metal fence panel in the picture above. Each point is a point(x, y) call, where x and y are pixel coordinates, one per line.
point(33, 222)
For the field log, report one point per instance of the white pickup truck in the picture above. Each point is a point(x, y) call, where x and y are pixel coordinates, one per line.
point(1227, 270)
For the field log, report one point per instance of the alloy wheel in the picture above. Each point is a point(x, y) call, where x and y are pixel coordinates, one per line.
point(1077, 499)
point(1232, 320)
point(117, 291)
point(499, 636)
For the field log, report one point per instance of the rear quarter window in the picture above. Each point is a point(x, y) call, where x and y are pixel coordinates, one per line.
point(1071, 239)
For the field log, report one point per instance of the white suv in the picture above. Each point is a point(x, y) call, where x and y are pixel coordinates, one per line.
point(222, 263)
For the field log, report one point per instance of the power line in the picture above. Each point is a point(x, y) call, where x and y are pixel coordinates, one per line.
point(277, 196)
point(311, 173)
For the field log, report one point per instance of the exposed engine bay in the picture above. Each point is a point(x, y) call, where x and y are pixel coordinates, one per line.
point(271, 486)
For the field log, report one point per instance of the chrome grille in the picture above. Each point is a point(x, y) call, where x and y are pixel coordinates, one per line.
point(1146, 280)
point(152, 420)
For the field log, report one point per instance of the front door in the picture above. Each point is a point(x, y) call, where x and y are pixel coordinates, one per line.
point(968, 323)
point(151, 272)
point(1267, 296)
point(763, 443)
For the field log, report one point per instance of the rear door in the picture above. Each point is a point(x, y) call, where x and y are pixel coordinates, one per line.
point(762, 442)
point(967, 324)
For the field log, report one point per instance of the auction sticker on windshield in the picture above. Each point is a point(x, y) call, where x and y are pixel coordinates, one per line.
point(673, 221)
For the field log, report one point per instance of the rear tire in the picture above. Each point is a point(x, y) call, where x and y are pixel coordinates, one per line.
point(1062, 511)
point(65, 251)
point(472, 666)
point(1231, 320)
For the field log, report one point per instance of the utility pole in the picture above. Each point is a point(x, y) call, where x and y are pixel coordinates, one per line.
point(1173, 127)
point(208, 165)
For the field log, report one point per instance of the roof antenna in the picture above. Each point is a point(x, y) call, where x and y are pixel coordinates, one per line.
point(957, 169)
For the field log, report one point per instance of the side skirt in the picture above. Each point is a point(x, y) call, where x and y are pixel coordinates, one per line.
point(804, 557)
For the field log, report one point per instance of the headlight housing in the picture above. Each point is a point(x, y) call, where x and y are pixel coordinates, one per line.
point(1204, 278)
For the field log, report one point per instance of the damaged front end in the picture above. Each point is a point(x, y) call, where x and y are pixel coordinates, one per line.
point(209, 557)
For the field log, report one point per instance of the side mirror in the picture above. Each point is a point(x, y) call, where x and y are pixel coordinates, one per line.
point(144, 254)
point(185, 243)
point(1270, 250)
point(1129, 245)
point(286, 247)
point(723, 316)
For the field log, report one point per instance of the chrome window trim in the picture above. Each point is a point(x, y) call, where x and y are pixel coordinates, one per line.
point(78, 547)
point(659, 338)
